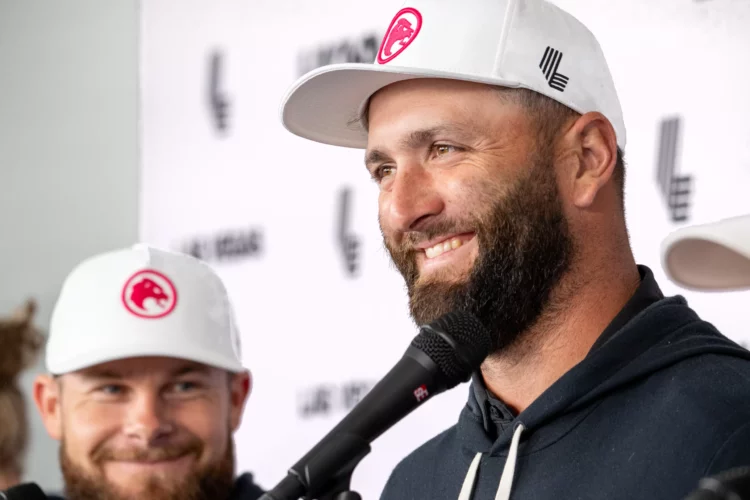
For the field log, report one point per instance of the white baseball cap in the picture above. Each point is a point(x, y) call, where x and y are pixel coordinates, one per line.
point(710, 257)
point(528, 44)
point(142, 301)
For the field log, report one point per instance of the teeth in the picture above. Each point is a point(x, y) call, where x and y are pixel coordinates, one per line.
point(443, 247)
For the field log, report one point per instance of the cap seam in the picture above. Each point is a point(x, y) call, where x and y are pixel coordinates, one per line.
point(510, 11)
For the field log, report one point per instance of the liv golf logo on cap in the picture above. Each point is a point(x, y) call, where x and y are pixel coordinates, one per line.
point(403, 30)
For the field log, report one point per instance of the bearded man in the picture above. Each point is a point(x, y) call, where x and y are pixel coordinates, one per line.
point(495, 135)
point(146, 385)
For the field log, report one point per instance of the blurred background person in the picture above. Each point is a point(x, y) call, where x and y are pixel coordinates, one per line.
point(711, 257)
point(146, 385)
point(20, 341)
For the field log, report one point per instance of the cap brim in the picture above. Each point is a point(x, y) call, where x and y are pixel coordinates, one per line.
point(710, 257)
point(117, 352)
point(326, 104)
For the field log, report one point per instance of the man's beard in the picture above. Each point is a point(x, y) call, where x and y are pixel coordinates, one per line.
point(214, 482)
point(524, 250)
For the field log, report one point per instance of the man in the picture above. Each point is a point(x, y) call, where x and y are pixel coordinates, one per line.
point(495, 135)
point(146, 383)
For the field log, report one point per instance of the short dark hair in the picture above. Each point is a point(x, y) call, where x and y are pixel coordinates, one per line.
point(549, 117)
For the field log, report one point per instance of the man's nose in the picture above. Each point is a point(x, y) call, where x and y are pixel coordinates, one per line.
point(147, 419)
point(412, 199)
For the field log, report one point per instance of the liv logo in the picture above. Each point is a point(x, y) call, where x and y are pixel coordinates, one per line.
point(348, 241)
point(549, 66)
point(218, 103)
point(675, 188)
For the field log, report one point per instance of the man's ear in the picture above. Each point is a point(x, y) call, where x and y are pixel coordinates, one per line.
point(48, 397)
point(240, 387)
point(593, 139)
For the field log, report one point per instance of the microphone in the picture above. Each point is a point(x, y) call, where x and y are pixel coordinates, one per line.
point(443, 354)
point(733, 484)
point(24, 491)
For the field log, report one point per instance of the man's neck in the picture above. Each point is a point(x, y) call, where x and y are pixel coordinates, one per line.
point(580, 309)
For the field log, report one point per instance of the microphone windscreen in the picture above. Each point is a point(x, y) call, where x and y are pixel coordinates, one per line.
point(457, 342)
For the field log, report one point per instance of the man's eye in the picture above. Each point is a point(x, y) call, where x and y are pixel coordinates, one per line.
point(443, 149)
point(185, 386)
point(383, 171)
point(112, 389)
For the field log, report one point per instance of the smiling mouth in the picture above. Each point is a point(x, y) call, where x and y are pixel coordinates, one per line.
point(446, 245)
point(153, 461)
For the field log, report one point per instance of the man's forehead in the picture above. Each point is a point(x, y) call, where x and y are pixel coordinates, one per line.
point(399, 125)
point(143, 366)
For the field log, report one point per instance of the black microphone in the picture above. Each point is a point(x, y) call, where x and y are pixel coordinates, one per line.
point(24, 491)
point(733, 484)
point(443, 354)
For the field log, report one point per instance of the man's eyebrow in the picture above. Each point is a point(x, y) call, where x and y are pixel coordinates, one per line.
point(375, 156)
point(110, 374)
point(98, 373)
point(416, 139)
point(419, 138)
point(192, 368)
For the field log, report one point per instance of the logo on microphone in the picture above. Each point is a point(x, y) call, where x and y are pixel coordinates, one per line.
point(403, 30)
point(421, 393)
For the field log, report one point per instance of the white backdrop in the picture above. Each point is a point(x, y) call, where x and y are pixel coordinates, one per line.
point(306, 322)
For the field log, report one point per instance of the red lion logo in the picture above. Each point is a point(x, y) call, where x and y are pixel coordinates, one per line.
point(149, 284)
point(400, 33)
point(148, 289)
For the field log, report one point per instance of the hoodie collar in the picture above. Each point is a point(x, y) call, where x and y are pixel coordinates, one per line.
point(647, 293)
point(497, 417)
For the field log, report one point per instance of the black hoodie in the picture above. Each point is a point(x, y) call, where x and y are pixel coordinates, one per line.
point(662, 400)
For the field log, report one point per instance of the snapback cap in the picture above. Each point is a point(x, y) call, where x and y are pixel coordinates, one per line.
point(142, 301)
point(528, 44)
point(710, 257)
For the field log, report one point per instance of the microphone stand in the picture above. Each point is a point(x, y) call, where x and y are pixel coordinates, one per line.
point(339, 486)
point(325, 473)
point(339, 490)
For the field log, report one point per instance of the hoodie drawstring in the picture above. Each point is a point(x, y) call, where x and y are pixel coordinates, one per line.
point(506, 480)
point(471, 475)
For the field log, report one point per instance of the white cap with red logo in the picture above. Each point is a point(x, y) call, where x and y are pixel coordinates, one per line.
point(710, 257)
point(528, 44)
point(142, 301)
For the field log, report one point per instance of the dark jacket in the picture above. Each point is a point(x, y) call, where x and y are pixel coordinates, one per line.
point(244, 489)
point(662, 400)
